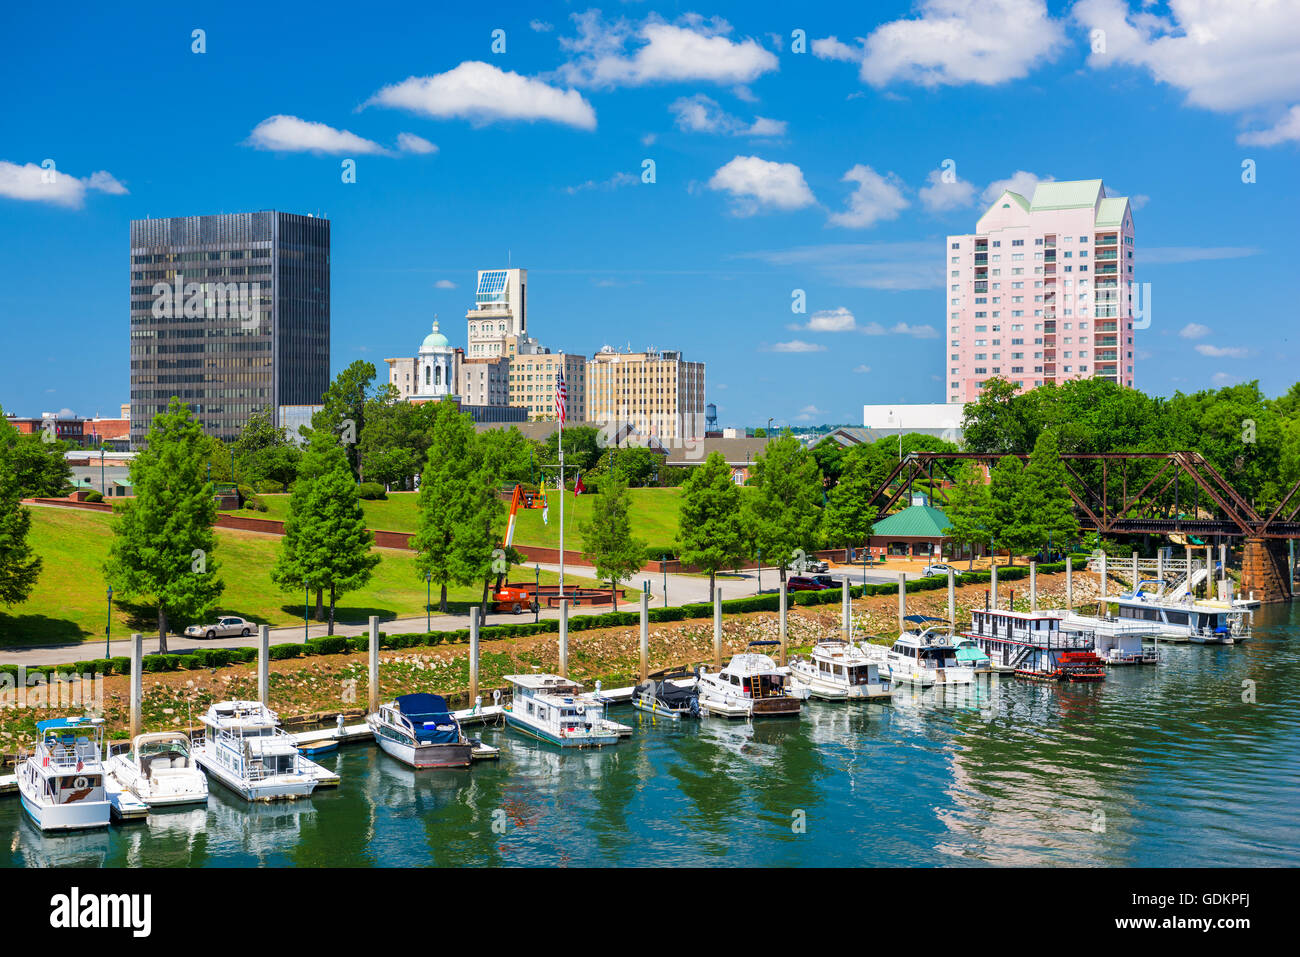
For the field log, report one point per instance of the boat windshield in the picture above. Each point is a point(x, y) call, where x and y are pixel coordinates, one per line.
point(939, 657)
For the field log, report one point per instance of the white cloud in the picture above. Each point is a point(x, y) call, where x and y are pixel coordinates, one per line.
point(797, 345)
point(482, 93)
point(808, 412)
point(862, 370)
point(35, 183)
point(1020, 181)
point(691, 49)
point(919, 332)
point(1222, 379)
point(444, 284)
point(756, 183)
point(540, 26)
point(290, 134)
point(1284, 130)
point(874, 329)
point(700, 114)
point(831, 320)
point(940, 196)
point(614, 182)
point(1194, 330)
point(1137, 202)
point(876, 198)
point(1223, 54)
point(954, 42)
point(1222, 352)
point(410, 143)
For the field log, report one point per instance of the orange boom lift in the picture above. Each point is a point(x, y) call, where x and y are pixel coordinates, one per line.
point(509, 597)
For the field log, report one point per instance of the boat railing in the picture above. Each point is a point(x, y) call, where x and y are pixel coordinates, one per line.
point(61, 757)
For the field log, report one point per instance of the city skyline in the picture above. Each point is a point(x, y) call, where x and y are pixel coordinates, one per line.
point(829, 177)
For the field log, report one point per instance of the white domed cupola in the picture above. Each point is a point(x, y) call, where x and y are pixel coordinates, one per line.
point(435, 365)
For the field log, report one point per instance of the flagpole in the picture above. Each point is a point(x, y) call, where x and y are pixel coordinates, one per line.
point(560, 446)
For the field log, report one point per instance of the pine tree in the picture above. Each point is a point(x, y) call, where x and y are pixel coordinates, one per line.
point(443, 487)
point(290, 571)
point(163, 543)
point(1009, 517)
point(1048, 507)
point(710, 527)
point(607, 540)
point(19, 568)
point(848, 518)
point(783, 514)
point(476, 552)
point(331, 546)
point(968, 514)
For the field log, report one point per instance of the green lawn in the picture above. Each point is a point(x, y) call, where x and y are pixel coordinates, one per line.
point(69, 603)
point(654, 517)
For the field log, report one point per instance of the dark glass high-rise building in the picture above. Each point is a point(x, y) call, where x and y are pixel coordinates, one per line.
point(231, 314)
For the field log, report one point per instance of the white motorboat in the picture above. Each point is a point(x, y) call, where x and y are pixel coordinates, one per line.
point(925, 656)
point(421, 730)
point(672, 696)
point(61, 783)
point(752, 685)
point(160, 770)
point(246, 750)
point(558, 711)
point(837, 670)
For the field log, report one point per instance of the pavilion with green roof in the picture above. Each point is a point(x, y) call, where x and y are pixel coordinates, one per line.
point(915, 532)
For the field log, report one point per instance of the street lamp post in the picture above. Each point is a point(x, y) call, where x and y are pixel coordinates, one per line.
point(665, 581)
point(103, 487)
point(760, 571)
point(306, 608)
point(537, 593)
point(428, 602)
point(108, 622)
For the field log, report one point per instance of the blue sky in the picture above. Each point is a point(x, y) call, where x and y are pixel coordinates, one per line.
point(774, 170)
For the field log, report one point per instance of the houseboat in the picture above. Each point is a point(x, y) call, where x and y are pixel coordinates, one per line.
point(1117, 641)
point(245, 749)
point(752, 685)
point(1033, 645)
point(160, 770)
point(671, 696)
point(61, 783)
point(420, 730)
point(558, 711)
point(1204, 621)
point(924, 656)
point(837, 670)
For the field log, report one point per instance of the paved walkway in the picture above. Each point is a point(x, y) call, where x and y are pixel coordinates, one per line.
point(682, 590)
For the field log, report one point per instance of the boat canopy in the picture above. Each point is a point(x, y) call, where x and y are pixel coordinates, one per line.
point(672, 695)
point(430, 717)
point(69, 724)
point(922, 619)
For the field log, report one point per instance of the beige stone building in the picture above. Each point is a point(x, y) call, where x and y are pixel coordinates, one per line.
point(484, 381)
point(658, 393)
point(532, 384)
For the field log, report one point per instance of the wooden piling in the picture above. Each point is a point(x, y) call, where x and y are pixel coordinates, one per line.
point(264, 665)
point(372, 646)
point(1069, 583)
point(993, 583)
point(902, 602)
point(473, 653)
point(564, 638)
point(645, 634)
point(952, 599)
point(846, 610)
point(1033, 587)
point(717, 628)
point(137, 684)
point(784, 617)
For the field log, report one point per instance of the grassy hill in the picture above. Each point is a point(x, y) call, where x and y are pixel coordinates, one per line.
point(69, 603)
point(654, 517)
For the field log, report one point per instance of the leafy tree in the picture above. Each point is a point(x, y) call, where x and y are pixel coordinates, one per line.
point(19, 567)
point(264, 452)
point(476, 552)
point(1046, 505)
point(37, 462)
point(163, 550)
point(444, 482)
point(292, 563)
point(710, 526)
point(396, 438)
point(849, 517)
point(1010, 522)
point(784, 512)
point(1001, 420)
point(635, 466)
point(967, 510)
point(330, 547)
point(581, 447)
point(513, 457)
point(343, 410)
point(607, 539)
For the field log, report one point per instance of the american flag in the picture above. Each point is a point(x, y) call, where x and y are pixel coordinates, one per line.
point(561, 396)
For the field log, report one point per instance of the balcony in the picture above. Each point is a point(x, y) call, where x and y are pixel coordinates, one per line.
point(982, 286)
point(1108, 239)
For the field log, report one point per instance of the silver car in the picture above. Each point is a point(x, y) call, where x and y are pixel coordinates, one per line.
point(223, 628)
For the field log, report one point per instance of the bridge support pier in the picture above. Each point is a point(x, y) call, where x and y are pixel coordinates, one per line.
point(1264, 570)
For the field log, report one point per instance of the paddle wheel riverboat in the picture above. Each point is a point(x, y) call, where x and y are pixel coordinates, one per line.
point(1032, 645)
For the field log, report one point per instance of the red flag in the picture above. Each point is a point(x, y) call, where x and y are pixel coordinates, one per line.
point(578, 487)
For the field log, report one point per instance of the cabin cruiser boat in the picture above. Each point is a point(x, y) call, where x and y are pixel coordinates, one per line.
point(61, 782)
point(420, 730)
point(1204, 621)
point(160, 770)
point(751, 685)
point(837, 670)
point(1033, 645)
point(971, 655)
point(671, 696)
point(924, 656)
point(557, 710)
point(246, 750)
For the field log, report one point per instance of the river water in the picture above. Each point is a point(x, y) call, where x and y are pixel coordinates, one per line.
point(1163, 766)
